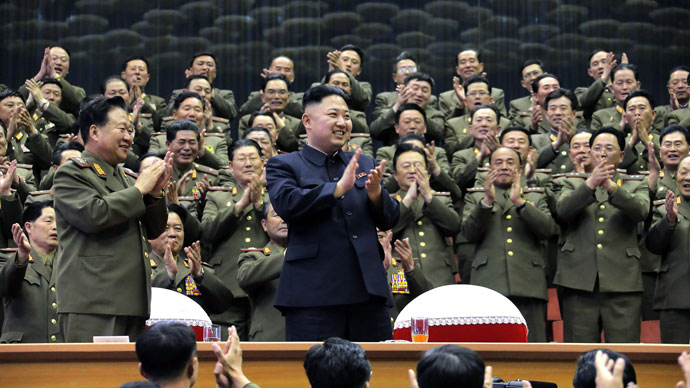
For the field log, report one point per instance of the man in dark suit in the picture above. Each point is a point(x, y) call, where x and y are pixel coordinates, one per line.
point(332, 201)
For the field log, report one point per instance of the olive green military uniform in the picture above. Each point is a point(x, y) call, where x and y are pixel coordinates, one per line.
point(26, 183)
point(672, 297)
point(457, 135)
point(206, 290)
point(593, 98)
point(33, 150)
point(430, 228)
point(215, 156)
point(226, 233)
point(10, 213)
point(524, 120)
point(259, 275)
point(103, 275)
point(71, 96)
point(611, 117)
point(509, 255)
point(360, 93)
point(556, 160)
point(520, 107)
point(679, 116)
point(291, 123)
point(464, 164)
point(386, 100)
point(157, 103)
point(405, 285)
point(29, 297)
point(199, 172)
point(663, 111)
point(52, 123)
point(223, 103)
point(448, 103)
point(38, 196)
point(383, 128)
point(142, 137)
point(220, 125)
point(254, 103)
point(599, 262)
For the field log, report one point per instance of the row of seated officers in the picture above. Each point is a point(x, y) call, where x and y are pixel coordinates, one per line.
point(513, 204)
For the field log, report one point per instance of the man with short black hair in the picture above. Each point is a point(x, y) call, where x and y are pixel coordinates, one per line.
point(598, 264)
point(451, 366)
point(560, 106)
point(279, 65)
point(27, 281)
point(312, 190)
point(350, 59)
point(451, 102)
point(531, 69)
point(275, 94)
point(403, 65)
point(679, 96)
point(644, 129)
point(535, 122)
point(222, 100)
point(50, 120)
point(167, 355)
point(417, 90)
point(586, 372)
point(680, 116)
point(135, 70)
point(337, 363)
point(104, 219)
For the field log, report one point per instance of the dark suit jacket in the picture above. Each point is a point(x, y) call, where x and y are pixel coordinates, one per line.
point(333, 255)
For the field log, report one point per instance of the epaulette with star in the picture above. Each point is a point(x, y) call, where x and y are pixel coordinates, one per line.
point(559, 175)
point(441, 193)
point(533, 190)
point(577, 175)
point(475, 190)
point(24, 166)
point(206, 169)
point(186, 198)
point(221, 188)
point(252, 250)
point(659, 202)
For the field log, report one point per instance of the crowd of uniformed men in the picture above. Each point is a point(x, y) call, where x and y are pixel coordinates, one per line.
point(584, 189)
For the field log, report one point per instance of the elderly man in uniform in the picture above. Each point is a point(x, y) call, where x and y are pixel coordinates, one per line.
point(259, 276)
point(508, 224)
point(232, 220)
point(427, 218)
point(681, 115)
point(456, 132)
point(279, 65)
point(275, 94)
point(180, 268)
point(598, 95)
point(484, 129)
point(678, 93)
point(51, 121)
point(452, 102)
point(103, 276)
point(135, 70)
point(418, 88)
point(669, 237)
point(27, 281)
point(598, 266)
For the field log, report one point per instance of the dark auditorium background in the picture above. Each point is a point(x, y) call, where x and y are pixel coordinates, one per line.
point(246, 34)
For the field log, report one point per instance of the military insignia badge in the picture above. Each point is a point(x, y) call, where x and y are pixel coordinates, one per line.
point(99, 169)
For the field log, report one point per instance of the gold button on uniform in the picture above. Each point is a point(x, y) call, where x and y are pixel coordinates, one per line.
point(53, 338)
point(249, 218)
point(419, 222)
point(247, 239)
point(601, 232)
point(248, 228)
point(509, 229)
point(421, 234)
point(564, 153)
point(602, 207)
point(599, 246)
point(423, 255)
point(601, 219)
point(179, 290)
point(510, 253)
point(53, 321)
point(422, 244)
point(52, 289)
point(54, 305)
point(146, 255)
point(508, 217)
point(562, 166)
point(509, 241)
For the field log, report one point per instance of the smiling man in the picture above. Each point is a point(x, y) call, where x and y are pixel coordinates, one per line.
point(332, 201)
point(104, 277)
point(275, 95)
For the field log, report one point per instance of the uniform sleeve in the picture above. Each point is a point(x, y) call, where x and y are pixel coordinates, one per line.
point(383, 127)
point(217, 296)
point(255, 269)
point(443, 216)
point(634, 205)
point(464, 170)
point(589, 97)
point(661, 231)
point(11, 277)
point(223, 104)
point(538, 218)
point(573, 200)
point(360, 94)
point(475, 223)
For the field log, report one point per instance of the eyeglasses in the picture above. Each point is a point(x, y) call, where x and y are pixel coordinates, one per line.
point(408, 69)
point(243, 159)
point(599, 148)
point(272, 92)
point(478, 93)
